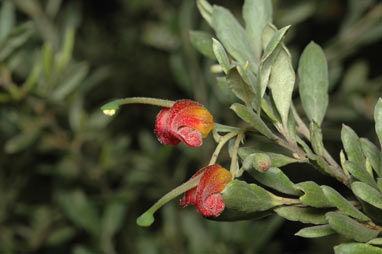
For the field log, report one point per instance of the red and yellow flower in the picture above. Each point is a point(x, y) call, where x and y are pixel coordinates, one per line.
point(185, 121)
point(206, 195)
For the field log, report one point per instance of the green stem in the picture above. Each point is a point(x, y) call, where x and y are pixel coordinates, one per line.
point(233, 168)
point(218, 148)
point(111, 107)
point(147, 218)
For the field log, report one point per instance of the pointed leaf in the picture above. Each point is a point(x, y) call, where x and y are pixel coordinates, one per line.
point(343, 204)
point(267, 34)
point(221, 55)
point(352, 145)
point(234, 37)
point(269, 108)
point(276, 40)
point(302, 214)
point(252, 118)
point(256, 14)
point(350, 228)
point(360, 173)
point(314, 82)
point(275, 179)
point(372, 154)
point(356, 248)
point(205, 10)
point(378, 120)
point(314, 196)
point(315, 231)
point(239, 87)
point(202, 41)
point(282, 82)
point(367, 194)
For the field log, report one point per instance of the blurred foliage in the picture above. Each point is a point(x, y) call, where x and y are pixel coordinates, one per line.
point(72, 181)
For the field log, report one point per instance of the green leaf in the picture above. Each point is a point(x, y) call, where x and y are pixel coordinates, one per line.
point(282, 82)
point(274, 43)
point(112, 219)
point(202, 41)
point(360, 173)
point(275, 179)
point(60, 236)
point(302, 214)
point(379, 183)
point(221, 55)
point(80, 210)
point(269, 108)
point(7, 19)
point(352, 145)
point(256, 14)
point(367, 194)
point(314, 196)
point(267, 34)
point(205, 10)
point(350, 228)
point(65, 55)
point(356, 248)
point(234, 37)
point(239, 87)
point(244, 198)
point(247, 115)
point(343, 204)
point(72, 81)
point(21, 141)
point(372, 154)
point(314, 82)
point(378, 120)
point(375, 241)
point(315, 231)
point(15, 39)
point(316, 138)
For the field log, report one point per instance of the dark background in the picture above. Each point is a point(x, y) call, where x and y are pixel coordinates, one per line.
point(74, 181)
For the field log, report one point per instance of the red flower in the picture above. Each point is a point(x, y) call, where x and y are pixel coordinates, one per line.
point(206, 196)
point(186, 121)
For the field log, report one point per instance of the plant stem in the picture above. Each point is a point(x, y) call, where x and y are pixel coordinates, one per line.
point(303, 129)
point(218, 148)
point(233, 168)
point(146, 219)
point(111, 107)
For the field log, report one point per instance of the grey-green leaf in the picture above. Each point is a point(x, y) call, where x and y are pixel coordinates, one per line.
point(352, 145)
point(252, 118)
point(360, 173)
point(234, 37)
point(315, 231)
point(275, 179)
point(350, 228)
point(367, 194)
point(202, 41)
point(343, 204)
point(316, 138)
point(372, 154)
point(221, 55)
point(239, 87)
point(302, 214)
point(314, 82)
point(256, 14)
point(378, 119)
point(248, 198)
point(356, 248)
point(281, 83)
point(274, 42)
point(314, 196)
point(375, 241)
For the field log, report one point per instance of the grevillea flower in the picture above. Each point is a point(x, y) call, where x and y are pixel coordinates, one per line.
point(206, 195)
point(186, 121)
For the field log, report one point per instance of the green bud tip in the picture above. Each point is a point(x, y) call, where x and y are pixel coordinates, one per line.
point(146, 219)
